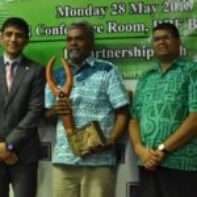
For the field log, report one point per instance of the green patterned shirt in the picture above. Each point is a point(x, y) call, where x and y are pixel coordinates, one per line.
point(162, 102)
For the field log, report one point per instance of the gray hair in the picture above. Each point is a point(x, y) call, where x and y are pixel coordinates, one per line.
point(84, 25)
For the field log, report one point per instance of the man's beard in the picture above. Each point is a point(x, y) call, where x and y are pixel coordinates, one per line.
point(76, 55)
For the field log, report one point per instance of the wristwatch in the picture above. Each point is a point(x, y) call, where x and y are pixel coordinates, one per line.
point(10, 147)
point(162, 148)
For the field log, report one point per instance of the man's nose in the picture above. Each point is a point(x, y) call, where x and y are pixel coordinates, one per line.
point(73, 42)
point(13, 37)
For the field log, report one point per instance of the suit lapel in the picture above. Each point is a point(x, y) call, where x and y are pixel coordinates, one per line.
point(3, 84)
point(21, 71)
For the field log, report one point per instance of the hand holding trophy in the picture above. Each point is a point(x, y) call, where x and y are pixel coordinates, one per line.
point(85, 140)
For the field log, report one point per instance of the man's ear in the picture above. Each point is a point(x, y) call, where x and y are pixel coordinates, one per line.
point(27, 41)
point(0, 36)
point(180, 41)
point(92, 44)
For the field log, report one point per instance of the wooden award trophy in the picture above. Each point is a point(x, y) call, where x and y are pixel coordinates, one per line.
point(81, 139)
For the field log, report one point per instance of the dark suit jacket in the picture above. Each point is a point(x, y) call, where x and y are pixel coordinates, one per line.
point(21, 109)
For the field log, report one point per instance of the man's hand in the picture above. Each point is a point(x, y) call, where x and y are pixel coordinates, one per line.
point(63, 106)
point(11, 159)
point(160, 156)
point(151, 158)
point(6, 156)
point(3, 151)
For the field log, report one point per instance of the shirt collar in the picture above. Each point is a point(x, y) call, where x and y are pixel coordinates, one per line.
point(16, 60)
point(89, 60)
point(176, 62)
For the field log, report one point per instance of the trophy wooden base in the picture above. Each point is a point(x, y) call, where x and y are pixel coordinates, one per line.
point(86, 137)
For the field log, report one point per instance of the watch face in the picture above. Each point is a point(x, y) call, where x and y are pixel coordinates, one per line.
point(161, 147)
point(10, 147)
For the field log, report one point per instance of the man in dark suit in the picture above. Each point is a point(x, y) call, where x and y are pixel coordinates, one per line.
point(21, 106)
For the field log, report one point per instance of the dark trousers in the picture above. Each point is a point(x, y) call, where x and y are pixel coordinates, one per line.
point(22, 177)
point(164, 182)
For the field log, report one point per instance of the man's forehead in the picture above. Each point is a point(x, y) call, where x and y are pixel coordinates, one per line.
point(161, 32)
point(12, 28)
point(77, 32)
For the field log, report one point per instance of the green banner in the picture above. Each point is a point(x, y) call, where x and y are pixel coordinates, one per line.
point(123, 28)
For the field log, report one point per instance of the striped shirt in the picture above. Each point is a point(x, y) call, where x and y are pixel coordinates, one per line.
point(97, 91)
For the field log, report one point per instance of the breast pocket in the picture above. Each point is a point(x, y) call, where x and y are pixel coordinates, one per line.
point(87, 93)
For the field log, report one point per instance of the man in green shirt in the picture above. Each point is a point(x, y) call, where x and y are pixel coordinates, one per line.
point(163, 127)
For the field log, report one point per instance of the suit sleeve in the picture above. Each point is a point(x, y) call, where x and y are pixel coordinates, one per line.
point(27, 126)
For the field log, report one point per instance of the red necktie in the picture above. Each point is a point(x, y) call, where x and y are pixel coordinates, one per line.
point(9, 75)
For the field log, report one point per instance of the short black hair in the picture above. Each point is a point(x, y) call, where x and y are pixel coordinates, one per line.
point(16, 22)
point(84, 25)
point(168, 27)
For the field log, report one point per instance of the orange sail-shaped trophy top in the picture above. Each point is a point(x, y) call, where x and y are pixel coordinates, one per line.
point(62, 92)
